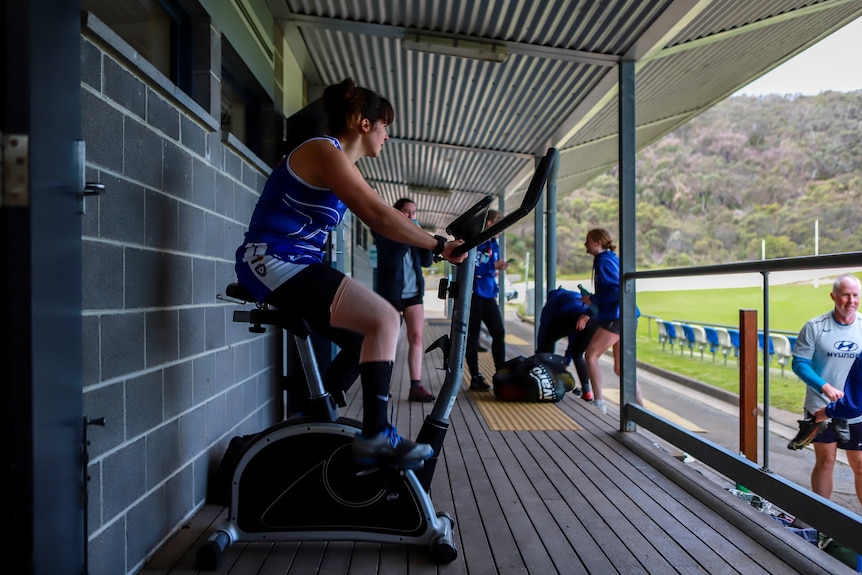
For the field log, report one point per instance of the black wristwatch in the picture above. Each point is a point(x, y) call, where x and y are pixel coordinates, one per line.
point(437, 252)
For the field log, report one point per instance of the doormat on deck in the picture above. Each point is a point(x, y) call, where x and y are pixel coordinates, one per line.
point(521, 416)
point(516, 415)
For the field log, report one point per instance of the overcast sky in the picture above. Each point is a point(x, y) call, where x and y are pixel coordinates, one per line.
point(831, 64)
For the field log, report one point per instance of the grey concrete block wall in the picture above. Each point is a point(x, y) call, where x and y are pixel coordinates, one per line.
point(164, 364)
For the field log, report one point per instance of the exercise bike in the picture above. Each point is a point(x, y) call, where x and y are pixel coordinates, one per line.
point(296, 481)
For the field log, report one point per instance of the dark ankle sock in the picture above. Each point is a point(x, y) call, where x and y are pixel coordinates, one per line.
point(375, 377)
point(414, 383)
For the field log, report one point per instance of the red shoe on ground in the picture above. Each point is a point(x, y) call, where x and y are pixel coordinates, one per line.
point(420, 394)
point(588, 396)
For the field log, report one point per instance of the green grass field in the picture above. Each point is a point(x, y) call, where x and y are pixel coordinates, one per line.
point(790, 307)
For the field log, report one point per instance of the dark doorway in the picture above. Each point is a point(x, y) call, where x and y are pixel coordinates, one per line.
point(40, 255)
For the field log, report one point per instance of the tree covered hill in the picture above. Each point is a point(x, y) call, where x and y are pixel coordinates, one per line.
point(747, 171)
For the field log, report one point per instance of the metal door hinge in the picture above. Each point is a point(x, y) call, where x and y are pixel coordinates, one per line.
point(15, 170)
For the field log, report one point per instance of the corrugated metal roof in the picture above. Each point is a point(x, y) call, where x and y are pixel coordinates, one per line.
point(474, 127)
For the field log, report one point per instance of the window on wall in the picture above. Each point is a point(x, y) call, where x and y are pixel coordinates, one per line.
point(244, 103)
point(360, 234)
point(164, 33)
point(159, 30)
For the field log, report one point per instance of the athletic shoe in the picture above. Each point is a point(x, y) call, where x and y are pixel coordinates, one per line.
point(420, 394)
point(808, 430)
point(587, 396)
point(841, 429)
point(600, 407)
point(478, 383)
point(389, 449)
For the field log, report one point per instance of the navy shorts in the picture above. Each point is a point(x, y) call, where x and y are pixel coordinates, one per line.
point(409, 302)
point(828, 436)
point(613, 326)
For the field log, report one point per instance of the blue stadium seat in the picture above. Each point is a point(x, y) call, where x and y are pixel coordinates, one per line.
point(662, 332)
point(734, 341)
point(712, 339)
point(670, 329)
point(689, 338)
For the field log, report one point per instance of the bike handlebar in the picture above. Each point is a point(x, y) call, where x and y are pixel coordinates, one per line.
point(468, 227)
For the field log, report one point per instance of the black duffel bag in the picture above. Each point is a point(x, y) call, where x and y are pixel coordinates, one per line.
point(538, 378)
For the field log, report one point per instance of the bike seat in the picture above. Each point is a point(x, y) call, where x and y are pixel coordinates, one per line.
point(264, 316)
point(238, 291)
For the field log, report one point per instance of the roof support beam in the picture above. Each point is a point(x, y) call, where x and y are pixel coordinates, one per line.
point(467, 149)
point(653, 39)
point(749, 28)
point(674, 19)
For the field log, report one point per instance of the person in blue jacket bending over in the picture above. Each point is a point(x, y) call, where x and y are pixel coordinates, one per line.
point(558, 320)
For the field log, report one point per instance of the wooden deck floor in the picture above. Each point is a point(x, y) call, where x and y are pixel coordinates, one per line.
point(591, 500)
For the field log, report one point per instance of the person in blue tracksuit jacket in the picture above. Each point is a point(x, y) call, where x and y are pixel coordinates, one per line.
point(606, 299)
point(484, 308)
point(558, 320)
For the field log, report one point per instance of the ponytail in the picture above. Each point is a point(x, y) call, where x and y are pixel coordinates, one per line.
point(602, 236)
point(346, 104)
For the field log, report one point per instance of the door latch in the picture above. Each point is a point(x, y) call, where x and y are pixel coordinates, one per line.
point(15, 168)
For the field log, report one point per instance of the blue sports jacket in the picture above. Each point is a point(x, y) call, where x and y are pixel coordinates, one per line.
point(850, 405)
point(606, 280)
point(485, 280)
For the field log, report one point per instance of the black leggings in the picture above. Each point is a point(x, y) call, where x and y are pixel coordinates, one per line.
point(309, 295)
point(564, 326)
point(485, 310)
